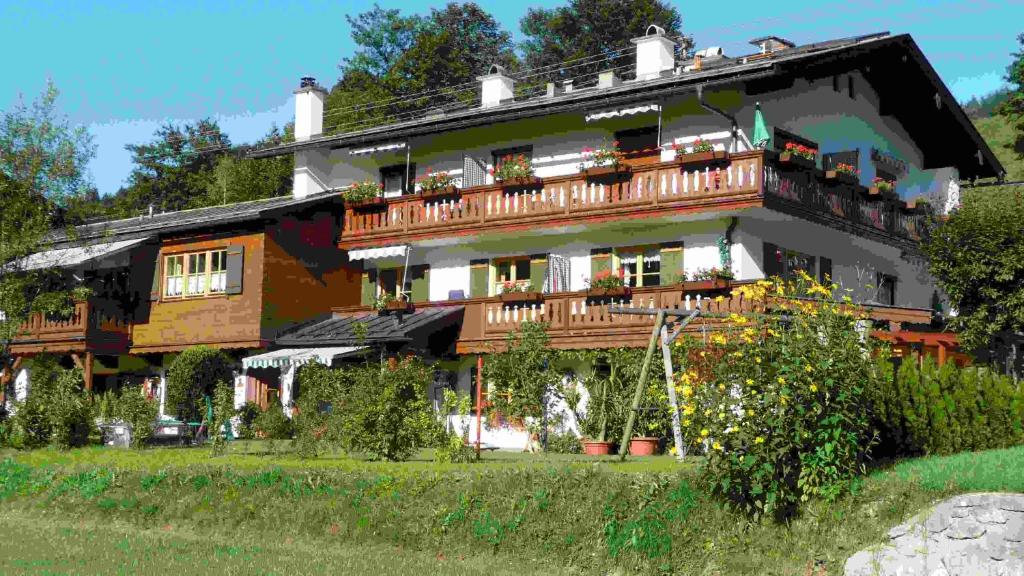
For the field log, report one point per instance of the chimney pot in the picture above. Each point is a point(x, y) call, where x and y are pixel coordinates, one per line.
point(655, 53)
point(553, 90)
point(307, 82)
point(309, 109)
point(567, 86)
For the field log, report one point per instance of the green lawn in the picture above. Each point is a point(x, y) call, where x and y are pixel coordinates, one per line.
point(110, 511)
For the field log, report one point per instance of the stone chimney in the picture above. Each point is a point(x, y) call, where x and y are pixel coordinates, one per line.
point(495, 87)
point(309, 109)
point(655, 53)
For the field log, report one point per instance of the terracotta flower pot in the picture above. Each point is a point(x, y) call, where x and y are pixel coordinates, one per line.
point(703, 285)
point(643, 446)
point(397, 306)
point(596, 448)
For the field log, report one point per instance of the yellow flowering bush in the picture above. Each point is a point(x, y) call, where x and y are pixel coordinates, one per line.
point(777, 399)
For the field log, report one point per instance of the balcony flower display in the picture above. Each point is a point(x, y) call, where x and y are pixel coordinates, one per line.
point(882, 186)
point(701, 152)
point(606, 160)
point(709, 279)
point(798, 155)
point(801, 150)
point(843, 173)
point(387, 303)
point(846, 169)
point(436, 184)
point(514, 169)
point(363, 193)
point(518, 292)
point(701, 145)
point(608, 285)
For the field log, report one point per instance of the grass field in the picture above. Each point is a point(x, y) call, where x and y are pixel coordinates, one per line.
point(102, 511)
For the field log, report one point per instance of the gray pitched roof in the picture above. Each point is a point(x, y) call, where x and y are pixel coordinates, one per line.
point(379, 329)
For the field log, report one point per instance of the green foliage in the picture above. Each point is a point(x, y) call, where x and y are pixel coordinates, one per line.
point(977, 258)
point(363, 191)
point(273, 424)
point(316, 427)
point(1000, 135)
point(133, 408)
point(223, 410)
point(453, 445)
point(1013, 108)
point(246, 418)
point(610, 386)
point(932, 410)
point(522, 378)
point(984, 107)
point(781, 411)
point(564, 443)
point(55, 411)
point(194, 374)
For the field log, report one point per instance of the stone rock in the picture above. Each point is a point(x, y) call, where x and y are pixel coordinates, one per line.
point(972, 534)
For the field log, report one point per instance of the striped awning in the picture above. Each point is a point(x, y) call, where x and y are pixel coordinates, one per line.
point(376, 149)
point(298, 356)
point(623, 112)
point(382, 252)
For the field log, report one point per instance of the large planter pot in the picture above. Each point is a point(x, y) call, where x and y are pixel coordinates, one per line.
point(705, 285)
point(440, 192)
point(520, 297)
point(643, 446)
point(703, 158)
point(608, 293)
point(596, 448)
point(519, 183)
point(837, 177)
point(607, 171)
point(369, 203)
point(795, 161)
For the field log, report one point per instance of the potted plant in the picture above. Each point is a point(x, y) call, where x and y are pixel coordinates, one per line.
point(709, 279)
point(843, 174)
point(881, 187)
point(798, 155)
point(606, 161)
point(701, 152)
point(512, 292)
point(515, 171)
point(364, 194)
point(648, 425)
point(387, 303)
point(436, 184)
point(604, 284)
point(920, 203)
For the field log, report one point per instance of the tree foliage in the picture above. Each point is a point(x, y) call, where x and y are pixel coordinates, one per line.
point(194, 374)
point(522, 379)
point(56, 411)
point(1013, 107)
point(977, 258)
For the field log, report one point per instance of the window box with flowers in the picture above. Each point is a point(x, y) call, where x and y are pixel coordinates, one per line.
point(519, 293)
point(882, 187)
point(437, 184)
point(387, 303)
point(798, 156)
point(919, 204)
point(705, 279)
point(364, 194)
point(702, 152)
point(607, 161)
point(843, 174)
point(515, 171)
point(607, 285)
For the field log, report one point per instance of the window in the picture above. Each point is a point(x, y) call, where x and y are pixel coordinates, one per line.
point(886, 289)
point(785, 263)
point(514, 270)
point(645, 138)
point(825, 270)
point(848, 157)
point(640, 266)
point(195, 274)
point(388, 281)
point(394, 179)
point(498, 156)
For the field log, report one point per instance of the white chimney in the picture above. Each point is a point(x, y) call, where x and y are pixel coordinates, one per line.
point(655, 53)
point(309, 109)
point(495, 87)
point(608, 79)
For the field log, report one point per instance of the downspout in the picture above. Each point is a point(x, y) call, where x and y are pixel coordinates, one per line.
point(732, 119)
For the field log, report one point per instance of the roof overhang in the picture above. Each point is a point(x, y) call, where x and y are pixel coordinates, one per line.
point(75, 256)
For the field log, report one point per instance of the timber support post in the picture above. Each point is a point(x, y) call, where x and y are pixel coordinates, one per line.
point(479, 399)
point(638, 394)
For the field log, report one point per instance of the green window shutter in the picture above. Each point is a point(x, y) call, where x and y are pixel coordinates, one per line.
point(154, 293)
point(671, 262)
point(478, 272)
point(538, 266)
point(600, 260)
point(420, 283)
point(369, 291)
point(235, 256)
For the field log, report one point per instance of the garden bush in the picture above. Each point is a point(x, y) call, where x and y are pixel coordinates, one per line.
point(133, 408)
point(317, 429)
point(273, 424)
point(223, 410)
point(780, 408)
point(246, 418)
point(193, 375)
point(522, 379)
point(931, 410)
point(56, 410)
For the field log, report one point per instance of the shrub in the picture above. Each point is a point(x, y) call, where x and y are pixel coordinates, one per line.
point(273, 424)
point(193, 375)
point(246, 418)
point(609, 385)
point(564, 443)
point(223, 410)
point(780, 409)
point(931, 410)
point(317, 427)
point(56, 410)
point(30, 425)
point(522, 379)
point(133, 408)
point(452, 444)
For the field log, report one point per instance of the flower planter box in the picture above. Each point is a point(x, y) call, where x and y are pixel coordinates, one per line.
point(605, 293)
point(596, 448)
point(517, 183)
point(877, 192)
point(788, 159)
point(703, 158)
point(369, 203)
point(440, 192)
point(520, 297)
point(605, 171)
point(643, 446)
point(400, 306)
point(837, 177)
point(915, 206)
point(706, 285)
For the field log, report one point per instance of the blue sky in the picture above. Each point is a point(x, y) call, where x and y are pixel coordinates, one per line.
point(124, 68)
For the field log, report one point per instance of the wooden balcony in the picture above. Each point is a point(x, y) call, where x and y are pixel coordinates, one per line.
point(94, 326)
point(652, 189)
point(577, 322)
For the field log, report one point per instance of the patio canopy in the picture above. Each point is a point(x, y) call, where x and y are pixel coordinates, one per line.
point(70, 257)
point(623, 112)
point(376, 149)
point(298, 356)
point(383, 252)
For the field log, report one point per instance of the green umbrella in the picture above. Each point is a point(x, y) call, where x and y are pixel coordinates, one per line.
point(762, 137)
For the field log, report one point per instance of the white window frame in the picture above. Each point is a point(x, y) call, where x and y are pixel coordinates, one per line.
point(214, 283)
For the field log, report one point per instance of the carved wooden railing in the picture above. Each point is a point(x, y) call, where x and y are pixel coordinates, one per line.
point(92, 317)
point(650, 186)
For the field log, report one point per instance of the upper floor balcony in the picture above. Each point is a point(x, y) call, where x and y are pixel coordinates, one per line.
point(646, 187)
point(94, 325)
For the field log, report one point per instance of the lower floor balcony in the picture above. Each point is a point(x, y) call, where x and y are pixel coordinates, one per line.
point(94, 325)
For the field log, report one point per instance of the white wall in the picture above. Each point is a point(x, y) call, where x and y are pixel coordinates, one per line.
point(447, 276)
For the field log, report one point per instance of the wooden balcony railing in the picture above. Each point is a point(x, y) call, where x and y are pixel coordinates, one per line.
point(649, 189)
point(94, 324)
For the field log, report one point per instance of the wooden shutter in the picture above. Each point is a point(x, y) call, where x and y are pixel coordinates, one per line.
point(155, 291)
point(771, 264)
point(479, 271)
point(235, 255)
point(600, 260)
point(369, 288)
point(538, 267)
point(420, 291)
point(671, 262)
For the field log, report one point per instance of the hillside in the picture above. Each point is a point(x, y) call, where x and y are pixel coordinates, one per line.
point(999, 135)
